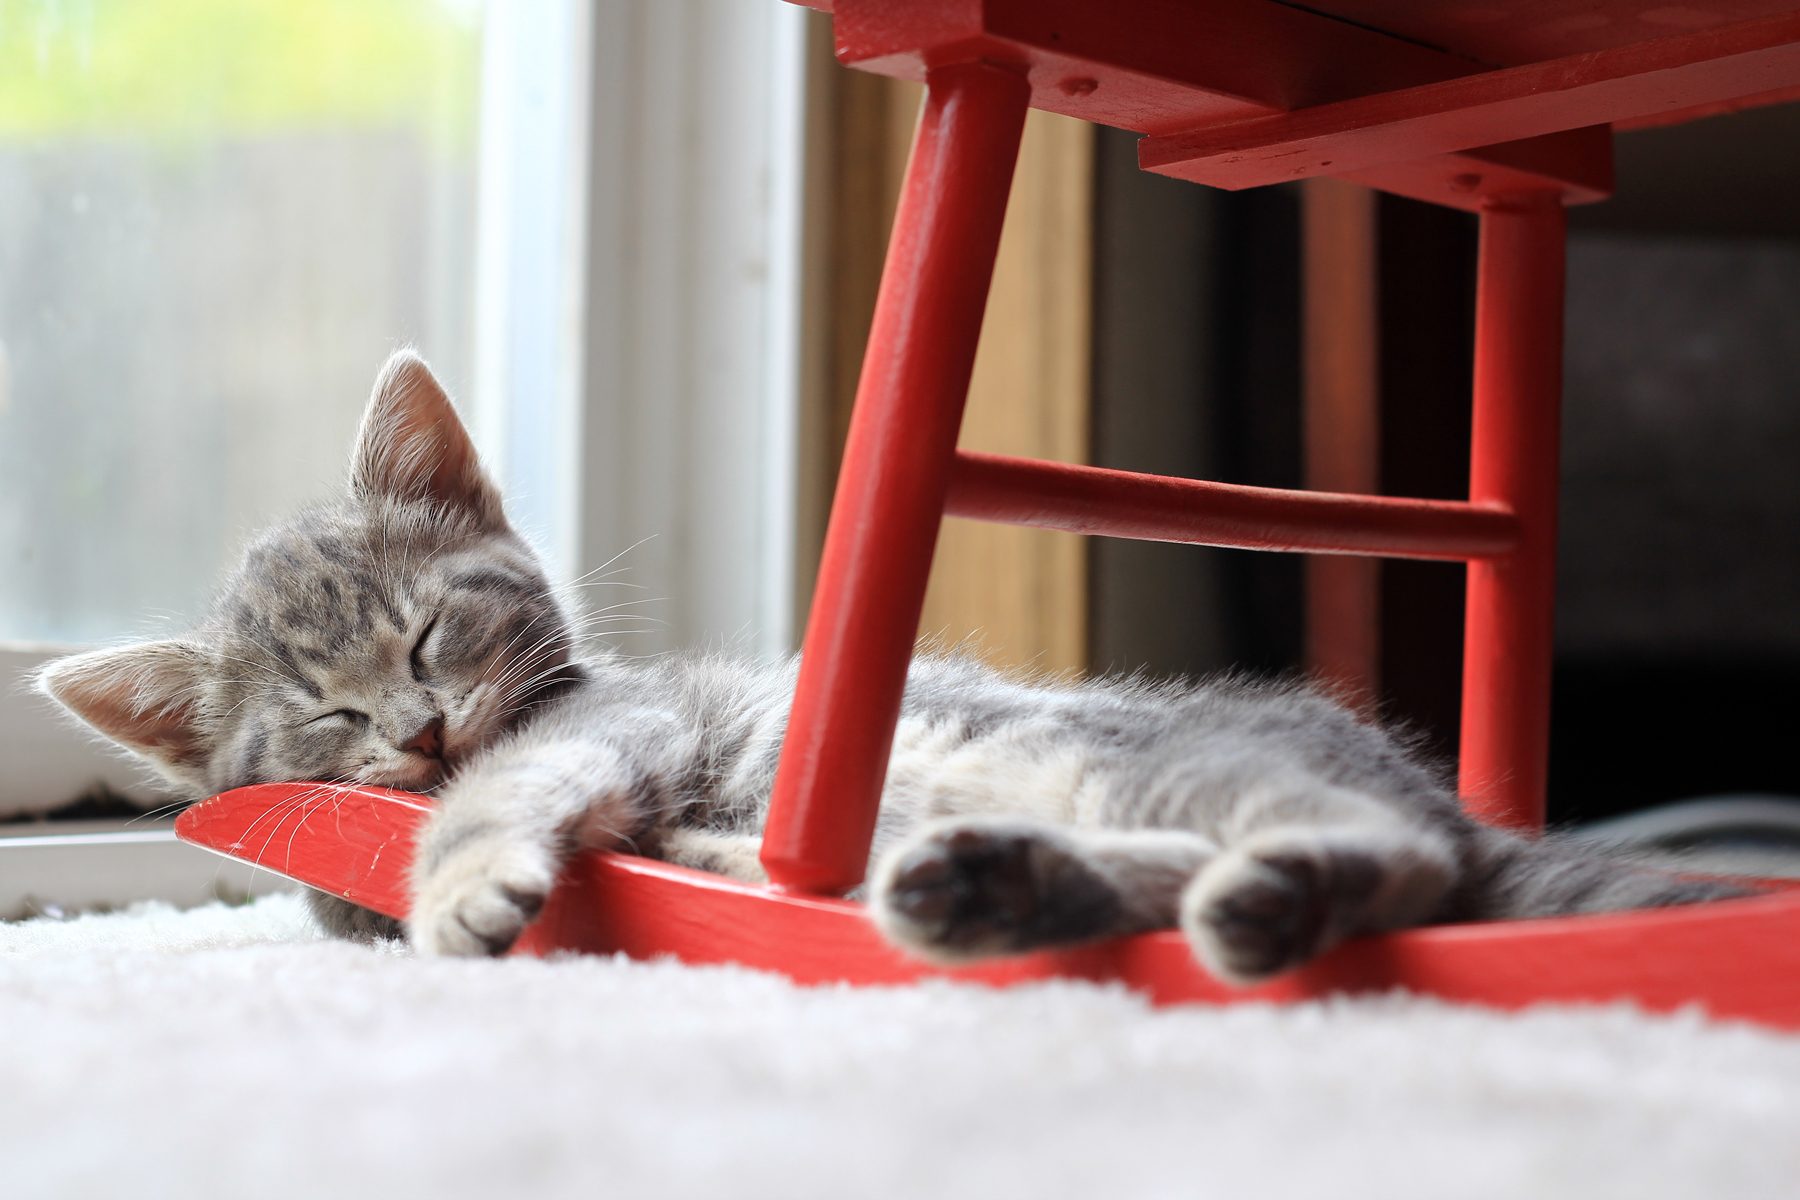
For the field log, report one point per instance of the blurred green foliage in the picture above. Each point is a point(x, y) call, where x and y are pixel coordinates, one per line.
point(182, 70)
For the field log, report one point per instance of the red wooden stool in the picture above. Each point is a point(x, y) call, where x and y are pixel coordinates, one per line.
point(1232, 93)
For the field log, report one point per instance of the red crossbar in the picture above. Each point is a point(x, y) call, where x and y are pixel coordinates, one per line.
point(1158, 508)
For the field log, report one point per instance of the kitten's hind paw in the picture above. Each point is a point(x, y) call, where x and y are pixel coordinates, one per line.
point(479, 900)
point(1253, 915)
point(972, 889)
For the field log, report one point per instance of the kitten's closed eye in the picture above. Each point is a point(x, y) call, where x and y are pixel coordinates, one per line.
point(349, 715)
point(417, 658)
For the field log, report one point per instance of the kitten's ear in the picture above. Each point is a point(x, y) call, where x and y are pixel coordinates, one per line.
point(145, 697)
point(412, 446)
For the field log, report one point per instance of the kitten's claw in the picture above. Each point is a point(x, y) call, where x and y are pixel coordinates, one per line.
point(480, 900)
point(980, 888)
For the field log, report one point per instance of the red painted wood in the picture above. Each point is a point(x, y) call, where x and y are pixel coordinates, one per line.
point(1539, 99)
point(1735, 959)
point(1144, 65)
point(354, 842)
point(1782, 95)
point(1155, 67)
point(1507, 634)
point(1482, 33)
point(1097, 500)
point(1576, 164)
point(895, 472)
point(1509, 32)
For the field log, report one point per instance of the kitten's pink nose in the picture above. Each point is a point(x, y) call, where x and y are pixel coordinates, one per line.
point(429, 741)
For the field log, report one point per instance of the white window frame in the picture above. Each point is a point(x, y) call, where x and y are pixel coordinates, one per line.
point(690, 342)
point(643, 305)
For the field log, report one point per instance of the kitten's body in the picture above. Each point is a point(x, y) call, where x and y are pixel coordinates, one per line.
point(406, 636)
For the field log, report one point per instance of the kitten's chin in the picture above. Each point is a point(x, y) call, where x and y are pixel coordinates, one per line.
point(420, 778)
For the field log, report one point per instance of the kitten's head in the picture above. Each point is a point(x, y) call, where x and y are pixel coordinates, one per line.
point(379, 638)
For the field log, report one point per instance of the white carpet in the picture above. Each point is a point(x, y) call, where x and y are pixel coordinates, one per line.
point(228, 1052)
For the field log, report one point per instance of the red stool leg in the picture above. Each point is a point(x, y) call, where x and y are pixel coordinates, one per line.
point(1518, 400)
point(891, 487)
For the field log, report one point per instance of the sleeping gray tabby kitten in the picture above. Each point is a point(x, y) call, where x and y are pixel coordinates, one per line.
point(405, 635)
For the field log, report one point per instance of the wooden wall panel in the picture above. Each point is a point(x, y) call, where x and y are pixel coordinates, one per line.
point(1020, 596)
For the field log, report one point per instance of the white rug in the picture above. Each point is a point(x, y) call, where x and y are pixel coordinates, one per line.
point(228, 1052)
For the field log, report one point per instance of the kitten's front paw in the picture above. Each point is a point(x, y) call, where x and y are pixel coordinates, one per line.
point(479, 899)
point(977, 888)
point(1253, 915)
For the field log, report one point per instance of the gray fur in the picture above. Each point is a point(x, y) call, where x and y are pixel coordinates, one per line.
point(405, 635)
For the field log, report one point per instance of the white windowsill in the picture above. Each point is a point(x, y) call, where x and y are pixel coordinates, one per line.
point(65, 867)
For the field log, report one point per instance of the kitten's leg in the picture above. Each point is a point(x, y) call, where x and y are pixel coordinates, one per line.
point(970, 888)
point(502, 829)
point(1307, 871)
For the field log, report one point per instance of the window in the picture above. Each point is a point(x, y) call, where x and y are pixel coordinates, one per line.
point(217, 216)
point(214, 216)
